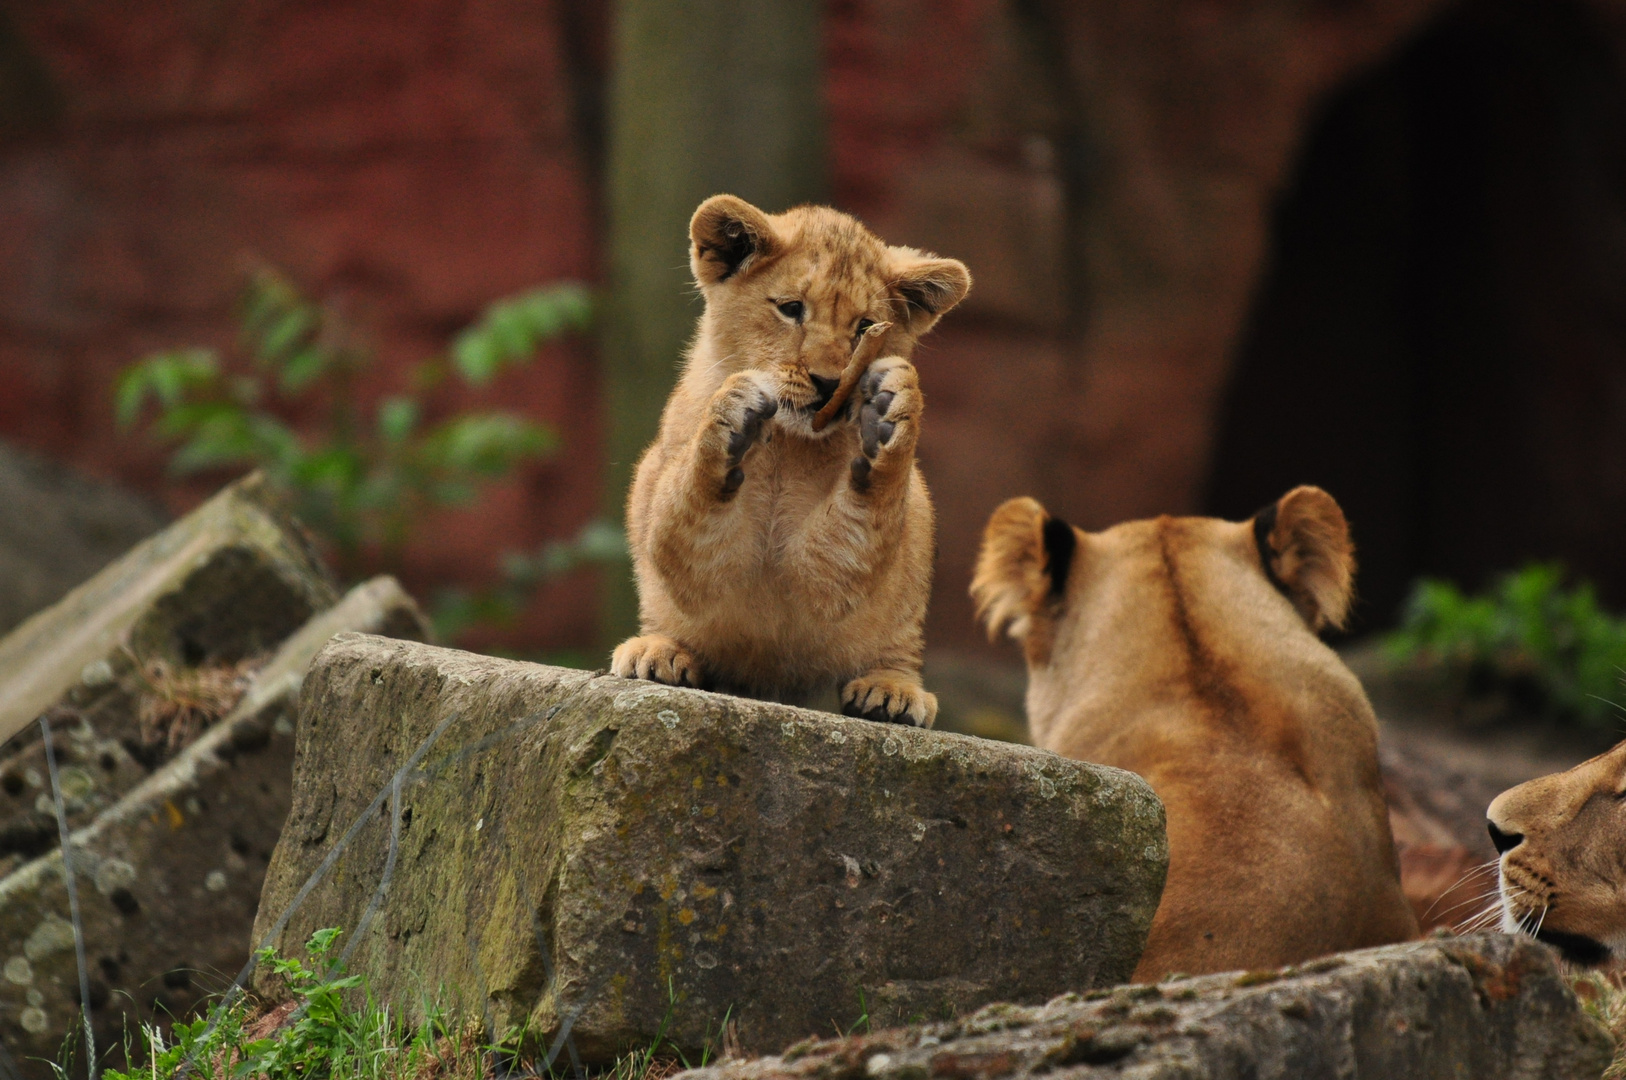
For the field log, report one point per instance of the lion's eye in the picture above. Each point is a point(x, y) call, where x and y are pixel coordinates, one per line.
point(864, 324)
point(792, 310)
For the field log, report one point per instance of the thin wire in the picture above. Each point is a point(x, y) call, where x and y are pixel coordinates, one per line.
point(384, 879)
point(73, 901)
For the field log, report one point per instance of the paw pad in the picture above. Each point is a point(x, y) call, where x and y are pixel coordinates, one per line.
point(741, 438)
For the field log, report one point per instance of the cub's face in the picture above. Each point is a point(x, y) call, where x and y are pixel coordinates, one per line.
point(789, 294)
point(1562, 871)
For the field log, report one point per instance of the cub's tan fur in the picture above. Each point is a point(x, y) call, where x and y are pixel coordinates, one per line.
point(1184, 649)
point(1562, 840)
point(771, 558)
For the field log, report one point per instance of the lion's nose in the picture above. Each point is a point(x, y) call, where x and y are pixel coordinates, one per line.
point(824, 388)
point(1504, 842)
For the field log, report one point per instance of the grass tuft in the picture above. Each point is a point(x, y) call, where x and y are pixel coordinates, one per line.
point(318, 1036)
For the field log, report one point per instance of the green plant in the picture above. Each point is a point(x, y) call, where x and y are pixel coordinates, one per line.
point(326, 1038)
point(364, 476)
point(1553, 648)
point(359, 480)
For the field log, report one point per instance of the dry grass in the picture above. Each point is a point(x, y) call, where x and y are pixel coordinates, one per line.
point(179, 703)
point(460, 1058)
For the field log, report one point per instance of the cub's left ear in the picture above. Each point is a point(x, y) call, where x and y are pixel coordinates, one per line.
point(1306, 552)
point(926, 286)
point(728, 236)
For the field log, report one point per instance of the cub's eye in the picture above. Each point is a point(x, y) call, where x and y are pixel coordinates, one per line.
point(792, 310)
point(864, 324)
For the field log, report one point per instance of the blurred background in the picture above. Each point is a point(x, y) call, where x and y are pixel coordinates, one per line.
point(1220, 249)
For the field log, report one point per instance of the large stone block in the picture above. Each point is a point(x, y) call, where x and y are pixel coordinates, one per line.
point(1487, 1007)
point(594, 854)
point(169, 876)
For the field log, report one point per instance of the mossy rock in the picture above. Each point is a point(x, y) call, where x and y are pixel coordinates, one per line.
point(613, 856)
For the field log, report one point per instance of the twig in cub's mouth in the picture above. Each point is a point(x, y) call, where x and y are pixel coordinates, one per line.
point(868, 345)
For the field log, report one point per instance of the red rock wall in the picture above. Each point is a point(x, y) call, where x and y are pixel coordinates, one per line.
point(409, 160)
point(1107, 170)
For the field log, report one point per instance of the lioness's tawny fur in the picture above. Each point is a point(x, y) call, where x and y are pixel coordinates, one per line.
point(1184, 649)
point(771, 558)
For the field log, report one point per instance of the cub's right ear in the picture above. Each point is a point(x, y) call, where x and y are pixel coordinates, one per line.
point(1022, 573)
point(727, 235)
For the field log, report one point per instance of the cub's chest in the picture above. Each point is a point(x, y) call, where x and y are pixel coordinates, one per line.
point(791, 479)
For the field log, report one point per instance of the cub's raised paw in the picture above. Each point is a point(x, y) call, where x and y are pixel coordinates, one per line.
point(889, 697)
point(888, 416)
point(744, 403)
point(657, 658)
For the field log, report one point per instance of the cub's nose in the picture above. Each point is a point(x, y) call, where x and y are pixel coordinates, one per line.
point(823, 387)
point(1504, 842)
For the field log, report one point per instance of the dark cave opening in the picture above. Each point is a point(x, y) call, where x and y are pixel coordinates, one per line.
point(1440, 339)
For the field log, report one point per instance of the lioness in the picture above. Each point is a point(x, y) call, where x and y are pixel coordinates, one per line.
point(1562, 871)
point(770, 556)
point(1184, 649)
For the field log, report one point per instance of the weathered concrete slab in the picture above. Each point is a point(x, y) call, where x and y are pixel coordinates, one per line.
point(230, 579)
point(1486, 1007)
point(169, 876)
point(196, 606)
point(584, 850)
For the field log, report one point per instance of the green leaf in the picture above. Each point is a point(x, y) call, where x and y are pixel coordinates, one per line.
point(165, 377)
point(397, 417)
point(333, 469)
point(512, 329)
point(287, 330)
point(184, 420)
point(303, 368)
point(478, 357)
point(485, 444)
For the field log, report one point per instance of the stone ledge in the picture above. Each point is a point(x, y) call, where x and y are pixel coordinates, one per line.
point(1489, 1007)
point(594, 852)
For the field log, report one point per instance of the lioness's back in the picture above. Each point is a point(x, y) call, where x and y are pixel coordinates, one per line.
point(1182, 649)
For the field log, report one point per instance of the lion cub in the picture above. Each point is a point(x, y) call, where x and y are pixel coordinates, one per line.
point(1185, 649)
point(772, 558)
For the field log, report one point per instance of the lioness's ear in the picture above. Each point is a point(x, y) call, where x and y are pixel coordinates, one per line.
point(727, 235)
point(926, 286)
point(1306, 552)
point(1022, 573)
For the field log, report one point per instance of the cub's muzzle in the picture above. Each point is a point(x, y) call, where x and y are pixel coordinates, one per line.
point(823, 390)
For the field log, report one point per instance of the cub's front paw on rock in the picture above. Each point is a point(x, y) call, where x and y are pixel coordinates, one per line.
point(657, 658)
point(888, 415)
point(741, 410)
point(889, 697)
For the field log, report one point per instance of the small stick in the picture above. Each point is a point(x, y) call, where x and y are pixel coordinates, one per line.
point(868, 346)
